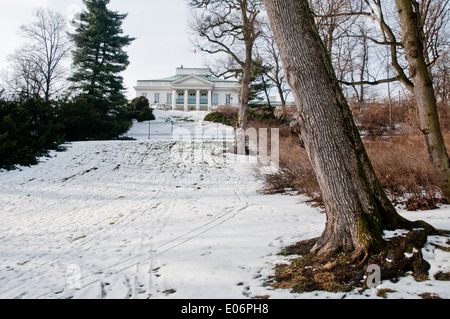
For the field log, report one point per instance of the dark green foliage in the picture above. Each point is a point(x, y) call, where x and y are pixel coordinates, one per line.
point(98, 112)
point(87, 119)
point(28, 129)
point(256, 113)
point(219, 117)
point(261, 112)
point(140, 109)
point(259, 85)
point(99, 56)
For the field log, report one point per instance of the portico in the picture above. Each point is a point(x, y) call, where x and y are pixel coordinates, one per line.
point(188, 98)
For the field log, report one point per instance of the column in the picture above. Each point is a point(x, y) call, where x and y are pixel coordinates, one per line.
point(198, 100)
point(174, 100)
point(186, 97)
point(209, 100)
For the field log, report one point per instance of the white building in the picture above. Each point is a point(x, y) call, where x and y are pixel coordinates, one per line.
point(190, 89)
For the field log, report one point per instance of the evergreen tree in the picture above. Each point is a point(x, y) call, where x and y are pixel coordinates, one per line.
point(29, 128)
point(99, 56)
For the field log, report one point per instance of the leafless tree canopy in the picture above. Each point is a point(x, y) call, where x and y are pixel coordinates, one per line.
point(229, 28)
point(38, 67)
point(267, 50)
point(223, 28)
point(357, 33)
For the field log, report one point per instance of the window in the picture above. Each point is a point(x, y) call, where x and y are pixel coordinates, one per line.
point(228, 99)
point(192, 98)
point(180, 99)
point(144, 94)
point(169, 98)
point(204, 98)
point(156, 97)
point(215, 98)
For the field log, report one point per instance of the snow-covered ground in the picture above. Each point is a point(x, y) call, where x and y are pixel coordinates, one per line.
point(161, 218)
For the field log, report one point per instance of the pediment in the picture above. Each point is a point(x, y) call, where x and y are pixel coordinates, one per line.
point(192, 80)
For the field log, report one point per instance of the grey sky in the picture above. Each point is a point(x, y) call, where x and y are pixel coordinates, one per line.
point(160, 26)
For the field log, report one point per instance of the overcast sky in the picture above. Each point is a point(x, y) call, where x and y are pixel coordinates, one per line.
point(159, 26)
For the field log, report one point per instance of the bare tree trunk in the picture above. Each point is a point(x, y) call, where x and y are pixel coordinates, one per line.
point(424, 93)
point(245, 89)
point(356, 205)
point(282, 99)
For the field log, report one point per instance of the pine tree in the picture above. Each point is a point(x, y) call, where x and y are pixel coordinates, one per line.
point(99, 57)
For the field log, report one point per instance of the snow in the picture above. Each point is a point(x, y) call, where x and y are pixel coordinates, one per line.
point(162, 218)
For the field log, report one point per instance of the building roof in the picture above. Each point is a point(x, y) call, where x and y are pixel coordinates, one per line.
point(181, 76)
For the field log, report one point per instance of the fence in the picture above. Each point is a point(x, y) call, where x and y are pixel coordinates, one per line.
point(156, 130)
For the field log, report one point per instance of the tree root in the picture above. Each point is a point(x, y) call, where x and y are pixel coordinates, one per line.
point(345, 271)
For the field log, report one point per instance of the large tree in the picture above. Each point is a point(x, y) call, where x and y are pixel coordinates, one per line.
point(230, 27)
point(413, 39)
point(99, 57)
point(357, 208)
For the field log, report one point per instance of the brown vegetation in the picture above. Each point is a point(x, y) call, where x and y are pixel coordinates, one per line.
point(395, 148)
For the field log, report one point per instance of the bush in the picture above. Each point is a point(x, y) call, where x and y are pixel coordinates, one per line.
point(402, 165)
point(295, 172)
point(30, 127)
point(140, 109)
point(228, 115)
point(375, 119)
point(218, 117)
point(83, 119)
point(28, 130)
point(262, 112)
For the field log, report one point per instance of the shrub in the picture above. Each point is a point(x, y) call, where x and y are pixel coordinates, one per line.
point(84, 119)
point(140, 109)
point(295, 172)
point(262, 112)
point(28, 130)
point(402, 165)
point(400, 162)
point(226, 115)
point(375, 119)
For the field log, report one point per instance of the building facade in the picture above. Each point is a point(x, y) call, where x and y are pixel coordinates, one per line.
point(190, 89)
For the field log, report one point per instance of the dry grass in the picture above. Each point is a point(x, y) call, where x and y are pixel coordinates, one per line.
point(398, 156)
point(402, 165)
point(295, 171)
point(227, 111)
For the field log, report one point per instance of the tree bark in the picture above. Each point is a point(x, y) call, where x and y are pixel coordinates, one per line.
point(356, 205)
point(424, 94)
point(245, 89)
